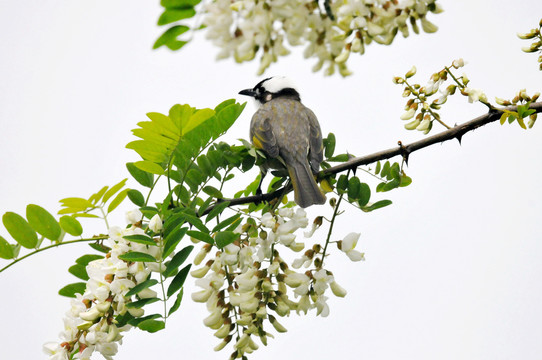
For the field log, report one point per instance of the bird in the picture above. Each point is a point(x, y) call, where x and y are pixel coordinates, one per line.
point(287, 131)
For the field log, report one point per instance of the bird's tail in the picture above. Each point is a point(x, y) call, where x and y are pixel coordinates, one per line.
point(306, 190)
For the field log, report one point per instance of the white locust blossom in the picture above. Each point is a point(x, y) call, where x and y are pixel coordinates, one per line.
point(90, 325)
point(248, 28)
point(247, 284)
point(348, 244)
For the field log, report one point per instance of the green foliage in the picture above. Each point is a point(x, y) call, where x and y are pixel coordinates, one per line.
point(137, 256)
point(175, 11)
point(20, 230)
point(71, 289)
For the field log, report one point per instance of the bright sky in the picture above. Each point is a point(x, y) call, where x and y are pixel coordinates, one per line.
point(452, 267)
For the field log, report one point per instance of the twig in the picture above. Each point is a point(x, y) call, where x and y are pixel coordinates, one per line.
point(456, 132)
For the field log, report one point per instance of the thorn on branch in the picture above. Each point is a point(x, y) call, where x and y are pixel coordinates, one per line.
point(404, 151)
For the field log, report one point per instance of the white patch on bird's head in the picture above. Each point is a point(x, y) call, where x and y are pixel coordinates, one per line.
point(277, 83)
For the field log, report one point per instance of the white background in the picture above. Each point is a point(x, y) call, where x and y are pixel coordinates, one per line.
point(453, 266)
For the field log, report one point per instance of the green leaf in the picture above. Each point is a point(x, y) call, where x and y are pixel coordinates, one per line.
point(113, 190)
point(329, 145)
point(177, 260)
point(227, 222)
point(212, 191)
point(354, 188)
point(6, 251)
point(136, 321)
point(339, 158)
point(178, 280)
point(79, 271)
point(94, 198)
point(117, 200)
point(76, 203)
point(385, 169)
point(205, 165)
point(142, 286)
point(197, 119)
point(217, 210)
point(521, 123)
point(195, 221)
point(168, 4)
point(136, 197)
point(377, 205)
point(504, 116)
point(100, 247)
point(140, 303)
point(225, 238)
point(20, 230)
point(364, 194)
point(172, 240)
point(151, 325)
point(395, 172)
point(169, 38)
point(177, 303)
point(140, 239)
point(142, 177)
point(150, 167)
point(85, 259)
point(405, 181)
point(202, 236)
point(378, 167)
point(170, 16)
point(42, 222)
point(72, 289)
point(71, 225)
point(136, 256)
point(342, 184)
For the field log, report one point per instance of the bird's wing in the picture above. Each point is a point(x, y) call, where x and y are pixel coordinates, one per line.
point(316, 147)
point(261, 133)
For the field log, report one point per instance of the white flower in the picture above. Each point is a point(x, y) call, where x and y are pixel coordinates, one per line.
point(475, 94)
point(134, 216)
point(348, 244)
point(458, 63)
point(55, 351)
point(155, 224)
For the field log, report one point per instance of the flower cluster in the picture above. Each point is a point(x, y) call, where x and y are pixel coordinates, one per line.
point(247, 284)
point(421, 109)
point(521, 100)
point(91, 323)
point(536, 46)
point(244, 28)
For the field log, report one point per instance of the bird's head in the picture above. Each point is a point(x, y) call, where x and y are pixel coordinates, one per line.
point(272, 88)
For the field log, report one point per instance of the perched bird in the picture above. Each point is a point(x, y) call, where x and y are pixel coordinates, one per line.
point(288, 131)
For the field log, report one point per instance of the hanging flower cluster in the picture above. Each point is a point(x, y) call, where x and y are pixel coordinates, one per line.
point(422, 108)
point(247, 284)
point(243, 29)
point(91, 323)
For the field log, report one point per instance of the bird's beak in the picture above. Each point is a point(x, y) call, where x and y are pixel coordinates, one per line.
point(248, 92)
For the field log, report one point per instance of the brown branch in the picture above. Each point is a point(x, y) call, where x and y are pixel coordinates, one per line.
point(456, 132)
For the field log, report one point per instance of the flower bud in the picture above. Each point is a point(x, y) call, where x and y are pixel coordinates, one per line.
point(412, 125)
point(411, 72)
point(277, 325)
point(458, 63)
point(398, 80)
point(136, 312)
point(408, 115)
point(103, 307)
point(530, 35)
point(337, 289)
point(428, 26)
point(91, 314)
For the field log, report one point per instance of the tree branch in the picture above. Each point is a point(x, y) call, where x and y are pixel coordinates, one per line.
point(456, 132)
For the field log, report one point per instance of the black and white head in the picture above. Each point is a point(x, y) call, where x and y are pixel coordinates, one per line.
point(272, 88)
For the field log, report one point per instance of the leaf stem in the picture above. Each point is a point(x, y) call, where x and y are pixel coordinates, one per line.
point(103, 237)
